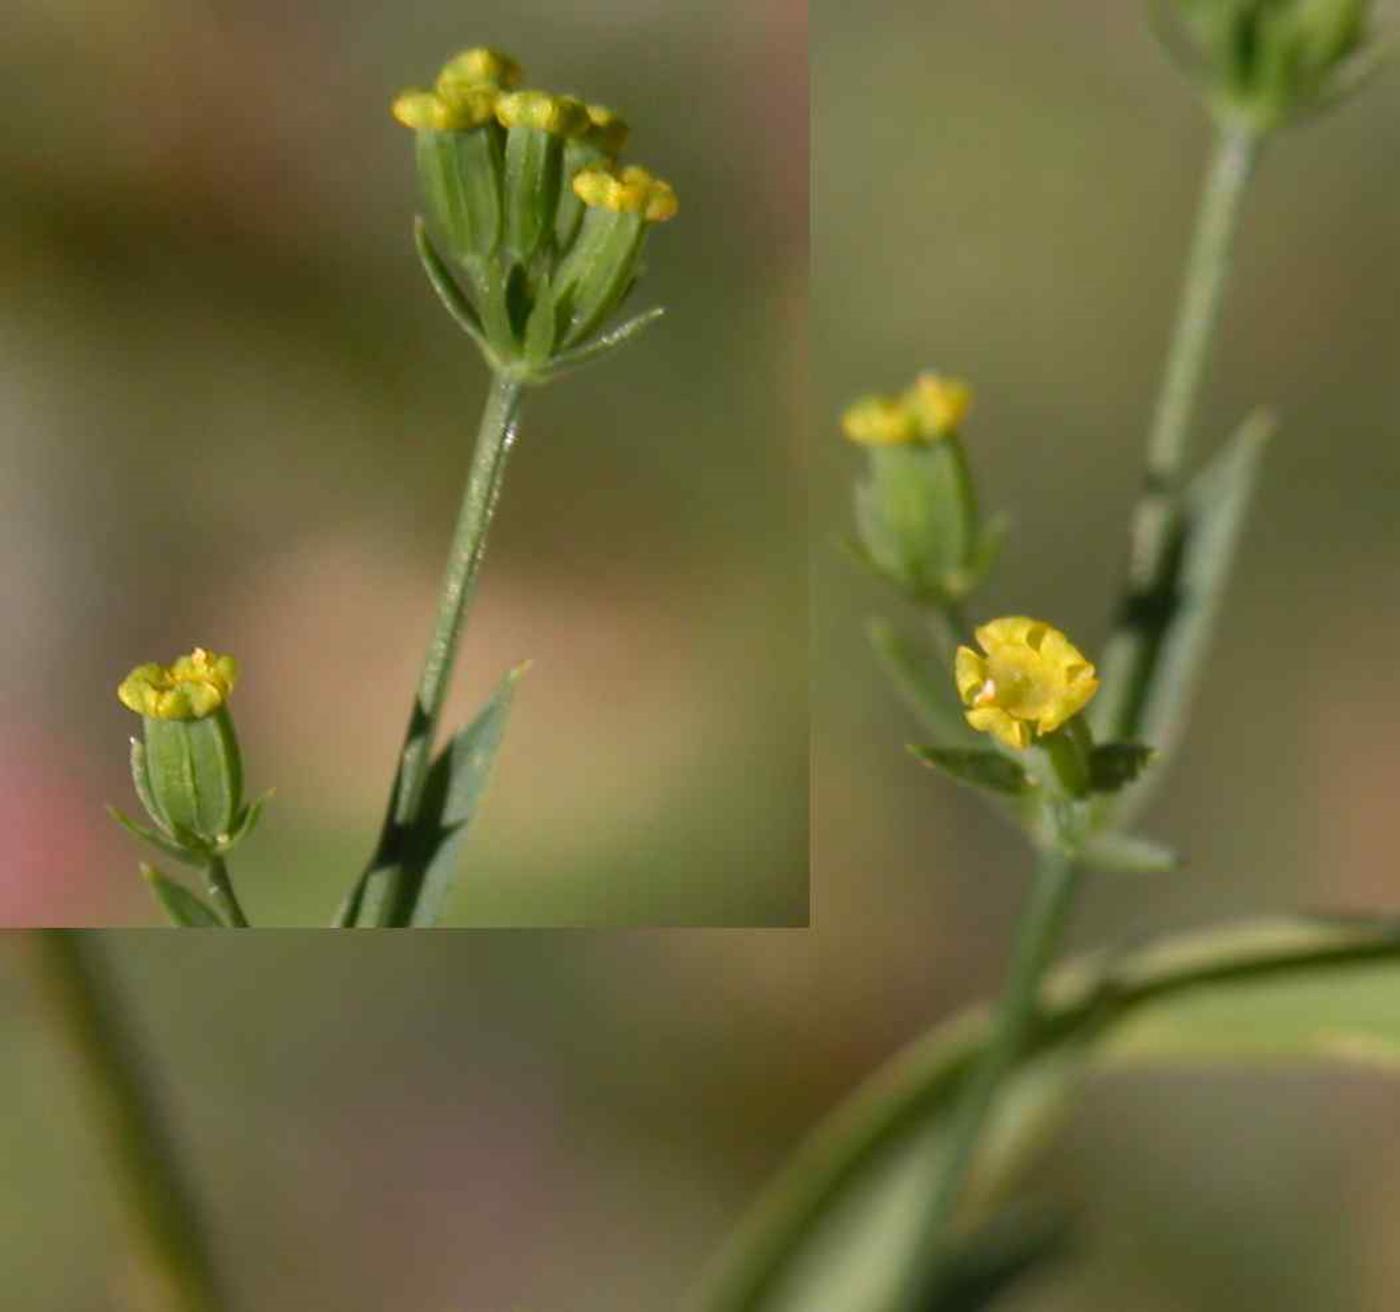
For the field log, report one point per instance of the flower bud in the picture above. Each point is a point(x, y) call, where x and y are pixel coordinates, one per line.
point(916, 511)
point(537, 125)
point(188, 771)
point(595, 276)
point(1263, 62)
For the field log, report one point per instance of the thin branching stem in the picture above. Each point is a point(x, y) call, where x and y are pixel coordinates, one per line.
point(221, 890)
point(1154, 523)
point(1038, 937)
point(494, 441)
point(157, 1198)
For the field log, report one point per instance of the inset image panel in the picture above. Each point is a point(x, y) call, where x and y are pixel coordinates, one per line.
point(247, 402)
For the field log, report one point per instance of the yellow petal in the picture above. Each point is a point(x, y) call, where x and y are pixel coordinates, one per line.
point(1015, 734)
point(969, 672)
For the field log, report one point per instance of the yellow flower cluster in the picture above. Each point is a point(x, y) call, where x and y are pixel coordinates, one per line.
point(1031, 680)
point(190, 688)
point(477, 86)
point(932, 408)
point(632, 190)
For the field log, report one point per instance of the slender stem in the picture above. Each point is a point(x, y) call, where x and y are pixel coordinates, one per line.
point(495, 438)
point(1154, 523)
point(1037, 937)
point(157, 1197)
point(221, 890)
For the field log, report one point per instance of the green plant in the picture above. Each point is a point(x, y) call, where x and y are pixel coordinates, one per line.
point(532, 237)
point(895, 1205)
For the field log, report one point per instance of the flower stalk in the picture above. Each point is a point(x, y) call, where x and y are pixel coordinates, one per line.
point(495, 437)
point(1129, 656)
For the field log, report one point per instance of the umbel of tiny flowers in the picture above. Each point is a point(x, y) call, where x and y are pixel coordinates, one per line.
point(533, 233)
point(917, 519)
point(1262, 63)
point(187, 768)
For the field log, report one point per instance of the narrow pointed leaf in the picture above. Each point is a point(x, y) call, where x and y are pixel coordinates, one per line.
point(1173, 623)
point(1129, 854)
point(192, 855)
point(924, 682)
point(181, 905)
point(456, 783)
point(1114, 765)
point(607, 343)
point(448, 290)
point(977, 767)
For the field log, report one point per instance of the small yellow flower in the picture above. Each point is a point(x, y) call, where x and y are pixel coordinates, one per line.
point(480, 66)
point(940, 403)
point(633, 190)
point(455, 109)
point(560, 116)
point(606, 130)
point(933, 408)
point(880, 421)
point(190, 688)
point(1030, 682)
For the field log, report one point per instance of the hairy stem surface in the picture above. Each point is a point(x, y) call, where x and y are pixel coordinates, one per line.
point(156, 1195)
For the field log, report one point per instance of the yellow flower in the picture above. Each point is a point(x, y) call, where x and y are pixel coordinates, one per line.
point(940, 403)
point(606, 130)
point(880, 421)
point(933, 408)
point(190, 688)
point(560, 116)
point(1030, 682)
point(454, 109)
point(480, 66)
point(632, 190)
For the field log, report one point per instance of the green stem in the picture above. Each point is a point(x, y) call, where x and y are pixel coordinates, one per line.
point(1037, 937)
point(382, 892)
point(1131, 650)
point(221, 890)
point(158, 1200)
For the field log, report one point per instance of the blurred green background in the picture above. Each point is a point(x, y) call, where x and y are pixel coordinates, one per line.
point(235, 415)
point(539, 1122)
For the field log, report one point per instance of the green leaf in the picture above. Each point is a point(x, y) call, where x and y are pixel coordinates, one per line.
point(605, 344)
point(247, 821)
point(182, 906)
point(1173, 621)
point(977, 767)
point(1217, 502)
point(193, 855)
point(448, 290)
point(844, 1215)
point(1129, 854)
point(923, 681)
point(1112, 765)
point(456, 783)
point(997, 1257)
